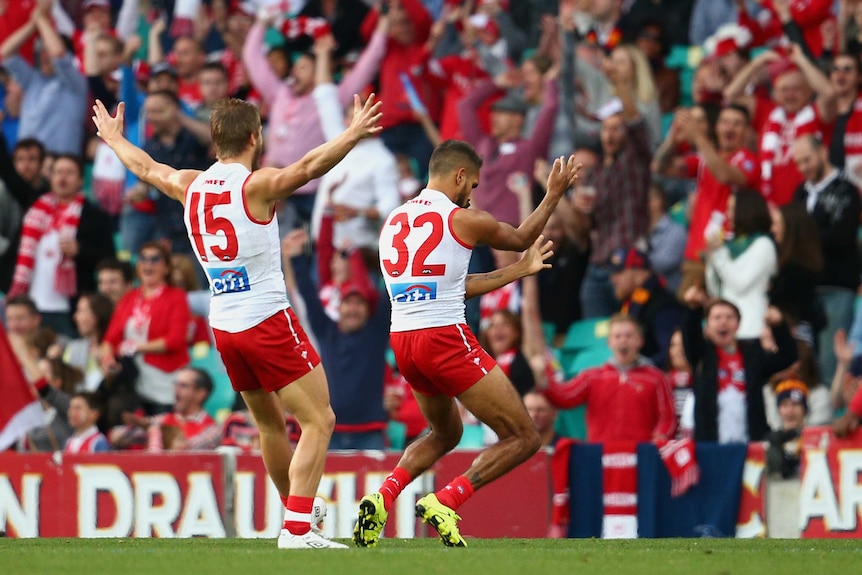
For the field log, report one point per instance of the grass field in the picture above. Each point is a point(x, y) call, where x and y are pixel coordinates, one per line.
point(405, 557)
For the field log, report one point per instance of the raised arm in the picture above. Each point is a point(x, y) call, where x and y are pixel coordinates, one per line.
point(171, 182)
point(532, 261)
point(735, 91)
point(476, 226)
point(827, 99)
point(17, 38)
point(256, 66)
point(270, 184)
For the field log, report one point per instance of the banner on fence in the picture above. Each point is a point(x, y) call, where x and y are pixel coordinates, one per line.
point(830, 498)
point(218, 495)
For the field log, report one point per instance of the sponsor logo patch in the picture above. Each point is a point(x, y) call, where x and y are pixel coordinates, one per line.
point(228, 280)
point(408, 292)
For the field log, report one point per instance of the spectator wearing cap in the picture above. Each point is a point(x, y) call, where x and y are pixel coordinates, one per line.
point(616, 213)
point(505, 151)
point(834, 204)
point(728, 373)
point(55, 92)
point(741, 268)
point(790, 115)
point(643, 297)
point(720, 170)
point(352, 347)
point(783, 453)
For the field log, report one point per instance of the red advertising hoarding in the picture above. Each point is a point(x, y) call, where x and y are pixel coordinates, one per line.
point(830, 498)
point(215, 495)
point(112, 495)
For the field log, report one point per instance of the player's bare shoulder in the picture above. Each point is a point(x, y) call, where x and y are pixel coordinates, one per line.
point(472, 225)
point(178, 182)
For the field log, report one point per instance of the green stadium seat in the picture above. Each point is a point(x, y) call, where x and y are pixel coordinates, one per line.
point(550, 331)
point(572, 423)
point(586, 333)
point(396, 435)
point(590, 357)
point(473, 437)
point(222, 398)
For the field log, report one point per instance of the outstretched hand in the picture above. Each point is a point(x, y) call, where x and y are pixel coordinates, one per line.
point(366, 117)
point(564, 174)
point(537, 255)
point(108, 127)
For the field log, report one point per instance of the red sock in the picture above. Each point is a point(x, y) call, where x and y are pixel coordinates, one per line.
point(393, 485)
point(297, 517)
point(456, 493)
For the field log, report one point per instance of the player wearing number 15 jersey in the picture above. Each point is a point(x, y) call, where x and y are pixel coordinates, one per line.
point(425, 246)
point(228, 210)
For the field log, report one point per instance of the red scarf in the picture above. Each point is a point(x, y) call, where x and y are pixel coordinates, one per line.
point(45, 215)
point(679, 458)
point(620, 486)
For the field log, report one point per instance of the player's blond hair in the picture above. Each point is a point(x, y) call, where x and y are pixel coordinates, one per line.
point(232, 123)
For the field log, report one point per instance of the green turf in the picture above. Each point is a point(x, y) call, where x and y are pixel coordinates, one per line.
point(404, 557)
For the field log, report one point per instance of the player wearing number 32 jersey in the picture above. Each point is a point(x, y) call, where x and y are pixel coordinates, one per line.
point(228, 211)
point(425, 247)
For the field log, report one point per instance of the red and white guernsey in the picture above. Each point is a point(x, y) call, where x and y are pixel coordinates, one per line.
point(240, 255)
point(424, 263)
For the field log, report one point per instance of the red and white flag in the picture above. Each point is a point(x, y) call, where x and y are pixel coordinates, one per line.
point(19, 410)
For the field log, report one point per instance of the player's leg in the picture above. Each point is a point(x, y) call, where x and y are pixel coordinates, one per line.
point(444, 433)
point(307, 399)
point(495, 402)
point(268, 414)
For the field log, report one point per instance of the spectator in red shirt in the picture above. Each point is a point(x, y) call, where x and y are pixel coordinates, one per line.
point(789, 115)
point(150, 324)
point(720, 171)
point(410, 24)
point(628, 399)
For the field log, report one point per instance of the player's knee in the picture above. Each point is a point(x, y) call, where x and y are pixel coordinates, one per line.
point(531, 441)
point(449, 438)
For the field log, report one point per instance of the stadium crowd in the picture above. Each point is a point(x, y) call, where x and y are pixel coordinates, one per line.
point(715, 222)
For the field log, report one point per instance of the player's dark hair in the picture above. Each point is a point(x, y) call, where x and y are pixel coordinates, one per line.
point(232, 123)
point(452, 155)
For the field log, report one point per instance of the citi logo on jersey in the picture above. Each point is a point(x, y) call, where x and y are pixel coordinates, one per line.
point(410, 292)
point(229, 280)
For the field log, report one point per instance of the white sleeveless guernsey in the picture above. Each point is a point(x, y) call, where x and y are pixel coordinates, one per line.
point(240, 255)
point(424, 264)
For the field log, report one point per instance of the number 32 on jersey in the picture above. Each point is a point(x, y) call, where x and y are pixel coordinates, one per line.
point(212, 225)
point(399, 243)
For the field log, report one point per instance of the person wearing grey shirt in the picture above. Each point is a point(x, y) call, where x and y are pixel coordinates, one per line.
point(55, 92)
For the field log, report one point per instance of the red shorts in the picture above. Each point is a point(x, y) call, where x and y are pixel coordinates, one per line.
point(441, 360)
point(270, 355)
